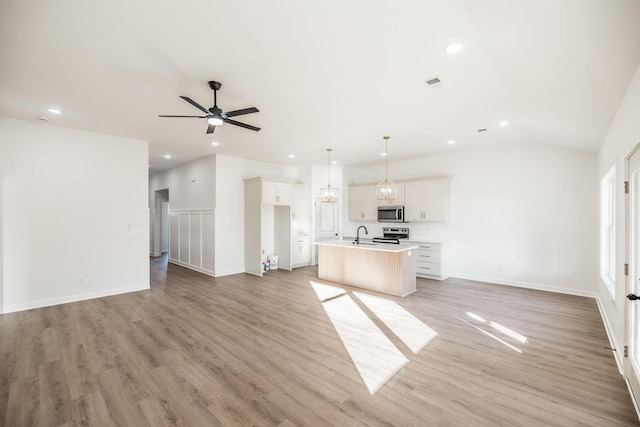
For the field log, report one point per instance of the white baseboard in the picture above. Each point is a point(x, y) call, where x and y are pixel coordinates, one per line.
point(619, 353)
point(191, 267)
point(528, 285)
point(228, 272)
point(73, 298)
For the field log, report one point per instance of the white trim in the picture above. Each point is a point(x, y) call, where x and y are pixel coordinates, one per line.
point(618, 354)
point(74, 298)
point(229, 272)
point(528, 285)
point(633, 399)
point(190, 267)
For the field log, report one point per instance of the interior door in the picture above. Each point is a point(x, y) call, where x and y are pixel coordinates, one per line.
point(327, 223)
point(326, 220)
point(632, 362)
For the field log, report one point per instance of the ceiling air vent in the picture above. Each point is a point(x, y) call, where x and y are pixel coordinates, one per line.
point(482, 130)
point(433, 81)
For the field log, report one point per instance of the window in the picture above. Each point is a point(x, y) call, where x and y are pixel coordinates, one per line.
point(608, 229)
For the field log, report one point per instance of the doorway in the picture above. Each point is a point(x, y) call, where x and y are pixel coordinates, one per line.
point(160, 223)
point(632, 349)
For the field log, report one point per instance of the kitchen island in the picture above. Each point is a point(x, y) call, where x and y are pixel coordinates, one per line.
point(380, 267)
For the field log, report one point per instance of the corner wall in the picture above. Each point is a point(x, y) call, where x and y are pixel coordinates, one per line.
point(75, 217)
point(622, 138)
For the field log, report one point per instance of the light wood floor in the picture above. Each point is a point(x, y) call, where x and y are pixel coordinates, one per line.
point(241, 350)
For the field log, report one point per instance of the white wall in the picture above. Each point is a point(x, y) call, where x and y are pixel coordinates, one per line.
point(192, 186)
point(623, 136)
point(230, 173)
point(523, 215)
point(69, 200)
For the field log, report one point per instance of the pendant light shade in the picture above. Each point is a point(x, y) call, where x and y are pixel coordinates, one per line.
point(329, 194)
point(386, 189)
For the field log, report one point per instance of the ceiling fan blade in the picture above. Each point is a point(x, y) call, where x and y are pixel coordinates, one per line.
point(195, 104)
point(211, 128)
point(195, 117)
point(242, 125)
point(241, 112)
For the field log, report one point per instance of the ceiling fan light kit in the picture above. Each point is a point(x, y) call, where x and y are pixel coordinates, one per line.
point(214, 115)
point(329, 194)
point(386, 189)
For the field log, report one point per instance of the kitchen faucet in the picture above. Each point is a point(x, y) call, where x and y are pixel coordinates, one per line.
point(358, 233)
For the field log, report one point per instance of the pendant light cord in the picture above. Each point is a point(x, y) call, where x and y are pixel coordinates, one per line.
point(386, 159)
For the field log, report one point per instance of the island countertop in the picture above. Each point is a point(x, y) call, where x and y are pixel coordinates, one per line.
point(370, 246)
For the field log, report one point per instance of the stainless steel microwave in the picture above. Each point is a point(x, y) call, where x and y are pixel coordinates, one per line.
point(390, 213)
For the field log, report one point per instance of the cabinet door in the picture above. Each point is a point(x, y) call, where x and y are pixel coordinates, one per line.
point(370, 204)
point(413, 202)
point(269, 193)
point(433, 201)
point(355, 204)
point(363, 204)
point(301, 254)
point(283, 194)
point(276, 193)
point(299, 206)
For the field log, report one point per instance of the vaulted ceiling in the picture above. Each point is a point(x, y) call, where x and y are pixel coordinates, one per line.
point(329, 73)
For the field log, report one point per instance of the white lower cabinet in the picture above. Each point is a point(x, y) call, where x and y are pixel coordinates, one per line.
point(300, 252)
point(432, 260)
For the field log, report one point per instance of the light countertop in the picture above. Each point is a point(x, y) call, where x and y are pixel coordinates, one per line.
point(418, 239)
point(370, 246)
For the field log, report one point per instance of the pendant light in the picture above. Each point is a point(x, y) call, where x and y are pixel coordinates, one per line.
point(386, 189)
point(329, 193)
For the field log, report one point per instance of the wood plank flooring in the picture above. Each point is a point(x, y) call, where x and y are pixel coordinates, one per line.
point(242, 350)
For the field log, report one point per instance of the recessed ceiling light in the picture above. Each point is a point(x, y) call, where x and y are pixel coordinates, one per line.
point(167, 156)
point(334, 163)
point(54, 111)
point(291, 156)
point(504, 123)
point(451, 142)
point(383, 154)
point(215, 143)
point(454, 48)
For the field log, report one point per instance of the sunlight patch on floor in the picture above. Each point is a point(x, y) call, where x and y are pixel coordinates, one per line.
point(510, 333)
point(374, 355)
point(326, 292)
point(411, 330)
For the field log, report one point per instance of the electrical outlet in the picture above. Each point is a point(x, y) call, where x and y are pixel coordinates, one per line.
point(79, 280)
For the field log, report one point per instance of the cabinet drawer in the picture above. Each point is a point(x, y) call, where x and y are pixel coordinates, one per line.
point(299, 240)
point(429, 268)
point(429, 246)
point(430, 256)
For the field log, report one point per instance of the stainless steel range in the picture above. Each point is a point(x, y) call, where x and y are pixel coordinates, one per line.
point(392, 235)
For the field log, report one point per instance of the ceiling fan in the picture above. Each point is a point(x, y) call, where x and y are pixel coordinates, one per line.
point(215, 116)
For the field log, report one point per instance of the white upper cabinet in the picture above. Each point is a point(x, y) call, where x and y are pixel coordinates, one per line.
point(427, 200)
point(276, 193)
point(363, 203)
point(300, 208)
